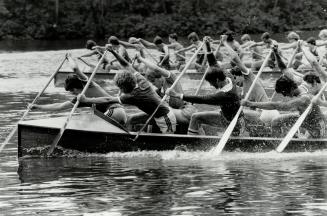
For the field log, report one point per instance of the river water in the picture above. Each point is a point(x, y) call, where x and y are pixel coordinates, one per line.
point(143, 183)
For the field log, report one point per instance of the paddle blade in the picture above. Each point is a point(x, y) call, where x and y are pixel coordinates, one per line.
point(293, 130)
point(222, 142)
point(56, 141)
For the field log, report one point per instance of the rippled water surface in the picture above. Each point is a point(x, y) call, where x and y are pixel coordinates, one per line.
point(143, 183)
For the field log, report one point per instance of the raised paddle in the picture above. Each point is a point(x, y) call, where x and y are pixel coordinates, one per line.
point(171, 87)
point(33, 102)
point(63, 128)
point(298, 122)
point(206, 71)
point(231, 126)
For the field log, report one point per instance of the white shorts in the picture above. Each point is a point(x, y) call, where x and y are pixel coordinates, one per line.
point(268, 115)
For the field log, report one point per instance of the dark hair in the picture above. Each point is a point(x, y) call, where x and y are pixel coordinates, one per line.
point(265, 35)
point(113, 40)
point(157, 40)
point(311, 40)
point(173, 36)
point(73, 82)
point(311, 78)
point(285, 85)
point(232, 64)
point(230, 36)
point(224, 31)
point(215, 73)
point(193, 36)
point(126, 81)
point(90, 44)
point(236, 71)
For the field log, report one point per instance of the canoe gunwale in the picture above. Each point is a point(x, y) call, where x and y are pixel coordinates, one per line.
point(131, 133)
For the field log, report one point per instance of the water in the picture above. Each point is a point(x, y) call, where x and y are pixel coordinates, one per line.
point(143, 183)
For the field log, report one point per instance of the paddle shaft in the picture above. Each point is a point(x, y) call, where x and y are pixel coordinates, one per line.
point(298, 123)
point(33, 102)
point(171, 87)
point(206, 71)
point(85, 62)
point(62, 129)
point(231, 126)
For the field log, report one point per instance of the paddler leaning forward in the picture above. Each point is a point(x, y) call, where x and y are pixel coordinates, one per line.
point(226, 97)
point(314, 123)
point(137, 91)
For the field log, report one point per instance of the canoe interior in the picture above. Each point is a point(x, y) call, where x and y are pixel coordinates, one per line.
point(100, 136)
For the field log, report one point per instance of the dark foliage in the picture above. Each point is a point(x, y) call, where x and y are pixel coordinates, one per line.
point(40, 19)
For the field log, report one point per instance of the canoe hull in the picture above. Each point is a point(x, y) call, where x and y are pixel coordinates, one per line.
point(34, 140)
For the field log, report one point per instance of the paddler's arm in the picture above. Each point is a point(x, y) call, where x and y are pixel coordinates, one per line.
point(98, 100)
point(186, 48)
point(99, 49)
point(239, 49)
point(315, 65)
point(257, 44)
point(119, 58)
point(211, 99)
point(319, 102)
point(288, 72)
point(282, 106)
point(52, 107)
point(128, 45)
point(236, 59)
point(93, 52)
point(172, 46)
point(75, 68)
point(289, 46)
point(322, 43)
point(209, 55)
point(147, 44)
point(247, 44)
point(163, 72)
point(166, 55)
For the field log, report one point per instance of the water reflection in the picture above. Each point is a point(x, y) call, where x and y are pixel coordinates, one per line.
point(153, 185)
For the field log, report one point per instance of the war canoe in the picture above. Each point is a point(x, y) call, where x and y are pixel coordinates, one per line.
point(90, 133)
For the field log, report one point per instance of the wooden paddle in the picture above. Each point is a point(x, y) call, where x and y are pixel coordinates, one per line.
point(206, 71)
point(231, 126)
point(298, 123)
point(33, 102)
point(171, 87)
point(62, 129)
point(85, 62)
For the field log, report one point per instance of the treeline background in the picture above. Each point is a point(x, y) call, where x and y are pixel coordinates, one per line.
point(77, 19)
